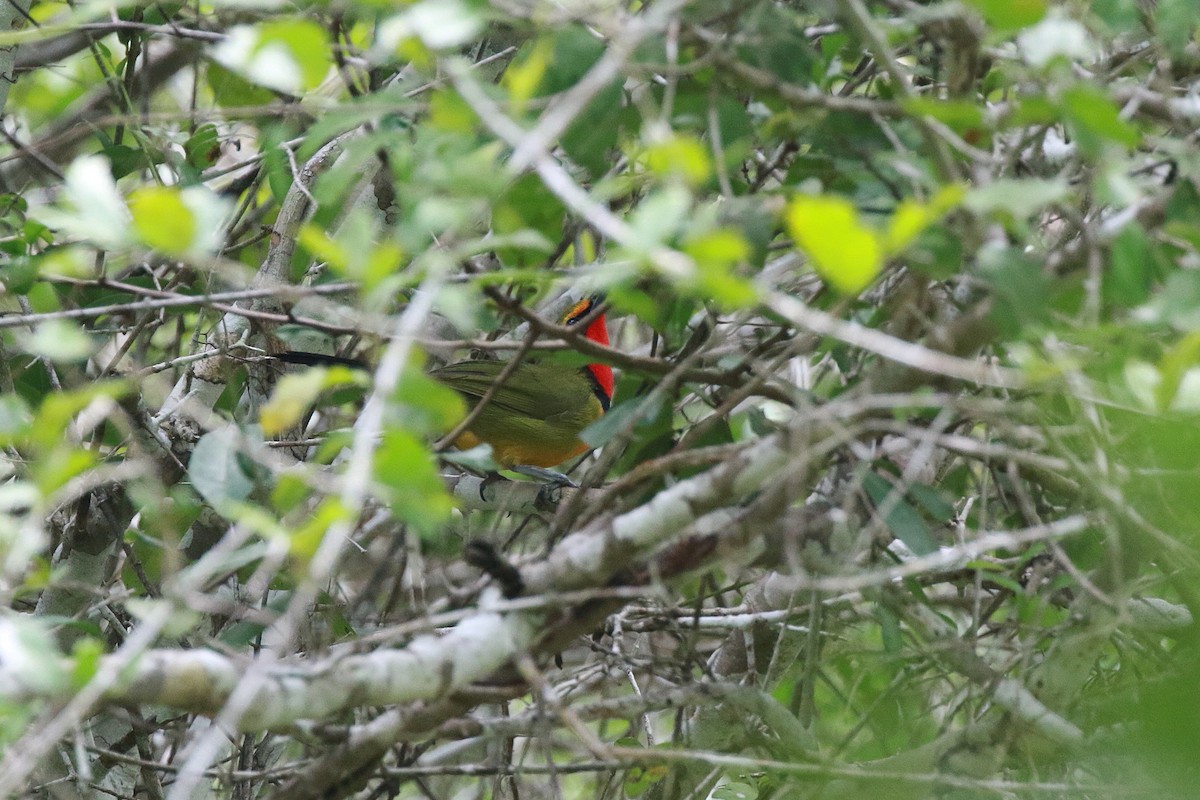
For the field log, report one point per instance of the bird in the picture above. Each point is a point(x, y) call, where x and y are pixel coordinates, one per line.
point(532, 421)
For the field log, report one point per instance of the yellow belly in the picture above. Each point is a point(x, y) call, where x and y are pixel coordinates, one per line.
point(510, 453)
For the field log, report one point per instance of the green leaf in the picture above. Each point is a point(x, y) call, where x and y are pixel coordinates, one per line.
point(843, 250)
point(427, 407)
point(1131, 261)
point(1017, 197)
point(90, 206)
point(306, 539)
point(680, 156)
point(735, 791)
point(1175, 364)
point(231, 90)
point(717, 254)
point(125, 159)
point(18, 275)
point(59, 340)
point(525, 74)
point(912, 217)
point(1095, 121)
point(15, 418)
point(31, 656)
point(1010, 15)
point(296, 392)
point(216, 468)
point(203, 147)
point(162, 220)
point(1175, 24)
point(85, 657)
point(933, 501)
point(287, 55)
point(602, 430)
point(902, 519)
point(413, 488)
point(889, 629)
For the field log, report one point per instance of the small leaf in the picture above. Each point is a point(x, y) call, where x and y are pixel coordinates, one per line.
point(844, 251)
point(525, 74)
point(296, 392)
point(912, 217)
point(1175, 364)
point(1008, 15)
point(413, 487)
point(602, 430)
point(59, 340)
point(216, 470)
point(1056, 37)
point(1095, 120)
point(31, 657)
point(735, 791)
point(85, 655)
point(162, 220)
point(1020, 198)
point(305, 540)
point(902, 519)
point(680, 156)
point(203, 147)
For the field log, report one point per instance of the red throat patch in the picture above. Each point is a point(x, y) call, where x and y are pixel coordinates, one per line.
point(598, 333)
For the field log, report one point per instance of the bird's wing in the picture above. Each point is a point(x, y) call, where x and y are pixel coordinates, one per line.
point(530, 392)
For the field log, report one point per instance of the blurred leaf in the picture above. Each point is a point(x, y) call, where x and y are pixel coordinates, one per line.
point(959, 115)
point(640, 409)
point(1056, 37)
point(889, 629)
point(1175, 24)
point(912, 217)
point(125, 159)
point(1119, 15)
point(296, 392)
point(179, 222)
point(1020, 198)
point(203, 147)
point(15, 418)
point(90, 206)
point(162, 220)
point(595, 130)
point(216, 468)
point(933, 501)
point(717, 253)
point(1095, 120)
point(735, 791)
point(413, 487)
point(231, 90)
point(525, 74)
point(85, 657)
point(844, 251)
point(31, 657)
point(902, 520)
point(427, 406)
point(1180, 358)
point(681, 157)
point(1010, 15)
point(59, 340)
point(287, 55)
point(1130, 260)
point(308, 535)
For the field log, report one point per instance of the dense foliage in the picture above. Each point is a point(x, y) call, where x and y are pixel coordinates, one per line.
point(898, 495)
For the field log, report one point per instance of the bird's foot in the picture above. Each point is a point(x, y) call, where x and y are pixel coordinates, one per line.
point(547, 475)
